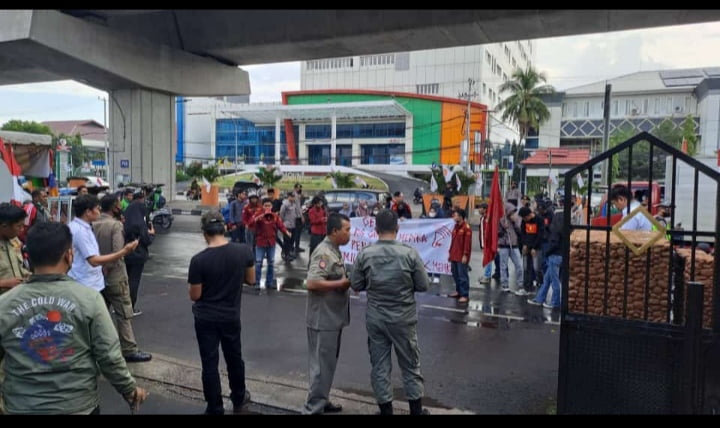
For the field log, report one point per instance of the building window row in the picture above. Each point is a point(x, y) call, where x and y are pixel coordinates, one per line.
point(357, 130)
point(428, 88)
point(632, 107)
point(370, 60)
point(331, 63)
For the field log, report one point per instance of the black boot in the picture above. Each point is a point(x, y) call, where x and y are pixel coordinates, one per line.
point(386, 408)
point(416, 407)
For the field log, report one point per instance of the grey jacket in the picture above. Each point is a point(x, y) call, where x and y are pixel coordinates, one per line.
point(508, 232)
point(391, 272)
point(288, 213)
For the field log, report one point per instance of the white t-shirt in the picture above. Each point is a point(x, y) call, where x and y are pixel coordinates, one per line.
point(638, 222)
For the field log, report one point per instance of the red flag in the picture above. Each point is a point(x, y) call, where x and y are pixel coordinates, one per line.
point(494, 213)
point(6, 152)
point(684, 146)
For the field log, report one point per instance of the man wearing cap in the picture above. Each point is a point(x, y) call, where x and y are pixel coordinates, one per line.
point(663, 212)
point(215, 277)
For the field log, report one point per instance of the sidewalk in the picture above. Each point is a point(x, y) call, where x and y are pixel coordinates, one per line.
point(175, 387)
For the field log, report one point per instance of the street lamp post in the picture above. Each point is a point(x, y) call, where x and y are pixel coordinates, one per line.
point(107, 144)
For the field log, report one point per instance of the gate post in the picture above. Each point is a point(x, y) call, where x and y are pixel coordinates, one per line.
point(691, 382)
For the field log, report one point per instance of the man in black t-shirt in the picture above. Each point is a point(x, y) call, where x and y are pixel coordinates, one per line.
point(216, 277)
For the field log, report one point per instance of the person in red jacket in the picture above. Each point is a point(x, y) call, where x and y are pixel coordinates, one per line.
point(252, 209)
point(460, 248)
point(318, 223)
point(266, 225)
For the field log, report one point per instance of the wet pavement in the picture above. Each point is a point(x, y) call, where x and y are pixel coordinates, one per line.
point(496, 355)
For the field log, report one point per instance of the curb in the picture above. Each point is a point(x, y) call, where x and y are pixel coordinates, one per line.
point(270, 391)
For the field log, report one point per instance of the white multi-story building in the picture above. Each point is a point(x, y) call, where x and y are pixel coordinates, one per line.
point(439, 72)
point(640, 101)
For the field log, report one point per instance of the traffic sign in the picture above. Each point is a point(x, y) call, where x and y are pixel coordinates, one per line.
point(125, 163)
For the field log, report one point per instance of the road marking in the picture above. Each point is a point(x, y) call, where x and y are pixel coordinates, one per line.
point(463, 311)
point(165, 276)
point(443, 308)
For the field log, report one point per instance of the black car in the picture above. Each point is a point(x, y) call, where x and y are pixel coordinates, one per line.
point(247, 186)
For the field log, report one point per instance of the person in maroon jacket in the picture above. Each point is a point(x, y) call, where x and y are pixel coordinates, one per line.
point(266, 225)
point(252, 209)
point(318, 223)
point(460, 249)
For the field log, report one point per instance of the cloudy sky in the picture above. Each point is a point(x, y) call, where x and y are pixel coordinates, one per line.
point(567, 61)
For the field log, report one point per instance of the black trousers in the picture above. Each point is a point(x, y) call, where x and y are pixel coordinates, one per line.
point(134, 272)
point(297, 232)
point(211, 335)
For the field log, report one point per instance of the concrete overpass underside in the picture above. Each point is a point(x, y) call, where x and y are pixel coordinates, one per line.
point(145, 57)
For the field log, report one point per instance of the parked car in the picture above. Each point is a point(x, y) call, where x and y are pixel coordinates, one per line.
point(353, 197)
point(248, 186)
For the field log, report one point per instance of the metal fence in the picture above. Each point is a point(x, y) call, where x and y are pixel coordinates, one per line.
point(639, 326)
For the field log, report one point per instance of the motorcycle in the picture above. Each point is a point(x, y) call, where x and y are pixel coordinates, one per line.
point(162, 218)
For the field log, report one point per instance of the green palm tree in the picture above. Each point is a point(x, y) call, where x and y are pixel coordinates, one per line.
point(524, 106)
point(268, 176)
point(343, 180)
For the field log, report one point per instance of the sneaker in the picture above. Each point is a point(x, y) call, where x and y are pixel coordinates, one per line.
point(521, 292)
point(506, 289)
point(136, 312)
point(546, 306)
point(485, 280)
point(533, 302)
point(436, 280)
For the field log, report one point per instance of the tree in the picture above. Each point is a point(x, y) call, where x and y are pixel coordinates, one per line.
point(194, 170)
point(343, 180)
point(268, 175)
point(210, 173)
point(524, 105)
point(29, 126)
point(688, 133)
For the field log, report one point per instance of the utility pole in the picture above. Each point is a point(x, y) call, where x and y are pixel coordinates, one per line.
point(606, 135)
point(465, 147)
point(107, 144)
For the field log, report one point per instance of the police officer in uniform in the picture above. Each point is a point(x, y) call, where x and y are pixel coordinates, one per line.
point(391, 272)
point(328, 311)
point(12, 270)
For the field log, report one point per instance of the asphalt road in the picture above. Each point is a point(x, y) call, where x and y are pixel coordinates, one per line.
point(497, 356)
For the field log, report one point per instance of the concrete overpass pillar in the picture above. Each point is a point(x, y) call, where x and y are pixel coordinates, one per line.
point(141, 138)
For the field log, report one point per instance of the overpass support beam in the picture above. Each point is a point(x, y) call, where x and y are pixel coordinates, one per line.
point(142, 138)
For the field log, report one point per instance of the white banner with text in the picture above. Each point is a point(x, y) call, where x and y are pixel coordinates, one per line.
point(431, 238)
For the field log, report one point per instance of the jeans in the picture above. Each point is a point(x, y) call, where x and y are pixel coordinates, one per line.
point(460, 275)
point(514, 254)
point(260, 253)
point(227, 334)
point(238, 234)
point(552, 277)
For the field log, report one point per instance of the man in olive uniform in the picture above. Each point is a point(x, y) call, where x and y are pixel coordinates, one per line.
point(12, 271)
point(391, 272)
point(328, 311)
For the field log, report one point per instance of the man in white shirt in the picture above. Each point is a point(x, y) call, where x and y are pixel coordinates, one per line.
point(620, 196)
point(86, 267)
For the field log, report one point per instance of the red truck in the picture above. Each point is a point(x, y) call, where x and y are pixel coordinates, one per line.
point(644, 186)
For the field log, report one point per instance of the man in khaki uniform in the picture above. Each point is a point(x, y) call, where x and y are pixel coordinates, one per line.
point(110, 238)
point(328, 311)
point(391, 272)
point(12, 270)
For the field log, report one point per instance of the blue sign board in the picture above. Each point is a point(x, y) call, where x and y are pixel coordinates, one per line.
point(125, 163)
point(98, 162)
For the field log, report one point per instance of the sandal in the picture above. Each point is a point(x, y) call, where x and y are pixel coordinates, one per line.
point(454, 295)
point(463, 300)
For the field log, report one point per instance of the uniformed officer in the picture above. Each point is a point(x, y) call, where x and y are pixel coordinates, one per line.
point(391, 272)
point(328, 311)
point(12, 271)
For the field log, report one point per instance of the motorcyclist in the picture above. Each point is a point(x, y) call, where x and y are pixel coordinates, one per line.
point(417, 195)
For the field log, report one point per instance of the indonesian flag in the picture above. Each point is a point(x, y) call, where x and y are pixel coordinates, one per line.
point(434, 186)
point(684, 146)
point(494, 213)
point(19, 194)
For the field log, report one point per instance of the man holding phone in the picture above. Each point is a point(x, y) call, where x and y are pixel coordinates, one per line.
point(267, 223)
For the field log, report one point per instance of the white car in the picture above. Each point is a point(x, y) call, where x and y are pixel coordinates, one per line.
point(96, 181)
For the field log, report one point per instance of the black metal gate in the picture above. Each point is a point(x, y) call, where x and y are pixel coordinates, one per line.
point(639, 328)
